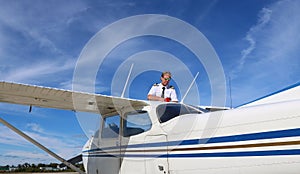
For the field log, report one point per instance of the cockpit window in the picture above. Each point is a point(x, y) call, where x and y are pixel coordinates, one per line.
point(136, 122)
point(132, 123)
point(111, 127)
point(166, 112)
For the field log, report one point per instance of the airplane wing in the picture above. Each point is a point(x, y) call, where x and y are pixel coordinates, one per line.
point(64, 99)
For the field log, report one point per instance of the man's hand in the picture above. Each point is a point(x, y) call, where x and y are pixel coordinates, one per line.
point(167, 99)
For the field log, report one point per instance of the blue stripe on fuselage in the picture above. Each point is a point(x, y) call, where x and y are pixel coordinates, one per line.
point(232, 138)
point(206, 155)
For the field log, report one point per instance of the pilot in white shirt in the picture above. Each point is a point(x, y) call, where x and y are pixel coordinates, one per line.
point(162, 91)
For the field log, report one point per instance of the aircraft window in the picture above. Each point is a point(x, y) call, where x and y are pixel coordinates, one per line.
point(111, 127)
point(166, 112)
point(136, 122)
point(201, 109)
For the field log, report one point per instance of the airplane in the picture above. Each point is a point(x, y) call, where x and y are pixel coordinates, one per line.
point(150, 137)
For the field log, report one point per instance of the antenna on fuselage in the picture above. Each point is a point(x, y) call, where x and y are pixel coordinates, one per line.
point(125, 86)
point(189, 88)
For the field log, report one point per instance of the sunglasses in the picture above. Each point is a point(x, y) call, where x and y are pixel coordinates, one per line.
point(167, 79)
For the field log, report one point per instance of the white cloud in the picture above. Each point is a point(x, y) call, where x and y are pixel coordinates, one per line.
point(60, 144)
point(205, 12)
point(35, 127)
point(22, 16)
point(11, 138)
point(271, 61)
point(38, 72)
point(63, 145)
point(30, 47)
point(263, 20)
point(16, 157)
point(284, 38)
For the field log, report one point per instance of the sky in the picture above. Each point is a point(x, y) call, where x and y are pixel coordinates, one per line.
point(255, 48)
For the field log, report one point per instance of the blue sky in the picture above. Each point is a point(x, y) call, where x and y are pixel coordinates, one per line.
point(257, 43)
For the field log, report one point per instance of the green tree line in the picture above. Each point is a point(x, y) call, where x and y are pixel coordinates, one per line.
point(26, 167)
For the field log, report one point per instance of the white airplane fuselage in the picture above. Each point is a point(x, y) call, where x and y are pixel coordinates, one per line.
point(257, 139)
point(144, 137)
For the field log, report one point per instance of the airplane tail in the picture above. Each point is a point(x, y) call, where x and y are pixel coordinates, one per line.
point(287, 94)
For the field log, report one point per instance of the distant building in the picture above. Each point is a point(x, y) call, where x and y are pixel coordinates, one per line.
point(49, 169)
point(4, 168)
point(11, 169)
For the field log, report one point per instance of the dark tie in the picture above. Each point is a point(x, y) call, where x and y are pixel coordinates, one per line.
point(163, 92)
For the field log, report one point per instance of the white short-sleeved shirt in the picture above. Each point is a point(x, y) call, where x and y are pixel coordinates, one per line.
point(157, 89)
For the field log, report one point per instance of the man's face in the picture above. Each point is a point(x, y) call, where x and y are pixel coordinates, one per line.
point(165, 79)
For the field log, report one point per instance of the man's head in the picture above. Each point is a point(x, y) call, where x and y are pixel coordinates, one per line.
point(165, 78)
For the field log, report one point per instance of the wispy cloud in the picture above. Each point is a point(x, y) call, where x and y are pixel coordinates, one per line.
point(20, 157)
point(37, 71)
point(9, 137)
point(271, 61)
point(22, 17)
point(263, 19)
point(206, 10)
point(30, 48)
point(35, 127)
point(65, 146)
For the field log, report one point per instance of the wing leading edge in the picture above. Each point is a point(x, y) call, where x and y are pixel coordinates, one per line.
point(64, 99)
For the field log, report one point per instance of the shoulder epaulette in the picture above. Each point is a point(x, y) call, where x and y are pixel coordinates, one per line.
point(172, 87)
point(155, 84)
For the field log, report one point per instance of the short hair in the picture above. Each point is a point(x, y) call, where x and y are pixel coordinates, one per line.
point(166, 72)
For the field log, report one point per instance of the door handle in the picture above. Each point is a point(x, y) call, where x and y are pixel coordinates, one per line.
point(161, 168)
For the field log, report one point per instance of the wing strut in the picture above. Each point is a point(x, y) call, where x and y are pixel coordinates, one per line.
point(189, 87)
point(125, 86)
point(41, 146)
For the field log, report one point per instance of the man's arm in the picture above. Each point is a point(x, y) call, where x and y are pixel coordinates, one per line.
point(174, 96)
point(151, 94)
point(155, 98)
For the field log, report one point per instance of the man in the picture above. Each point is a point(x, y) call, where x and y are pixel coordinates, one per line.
point(162, 91)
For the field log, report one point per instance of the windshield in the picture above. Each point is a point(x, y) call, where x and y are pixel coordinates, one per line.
point(166, 112)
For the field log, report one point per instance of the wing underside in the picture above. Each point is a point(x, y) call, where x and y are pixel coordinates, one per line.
point(64, 99)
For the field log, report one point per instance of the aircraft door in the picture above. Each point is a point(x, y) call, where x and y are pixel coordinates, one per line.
point(106, 157)
point(156, 161)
